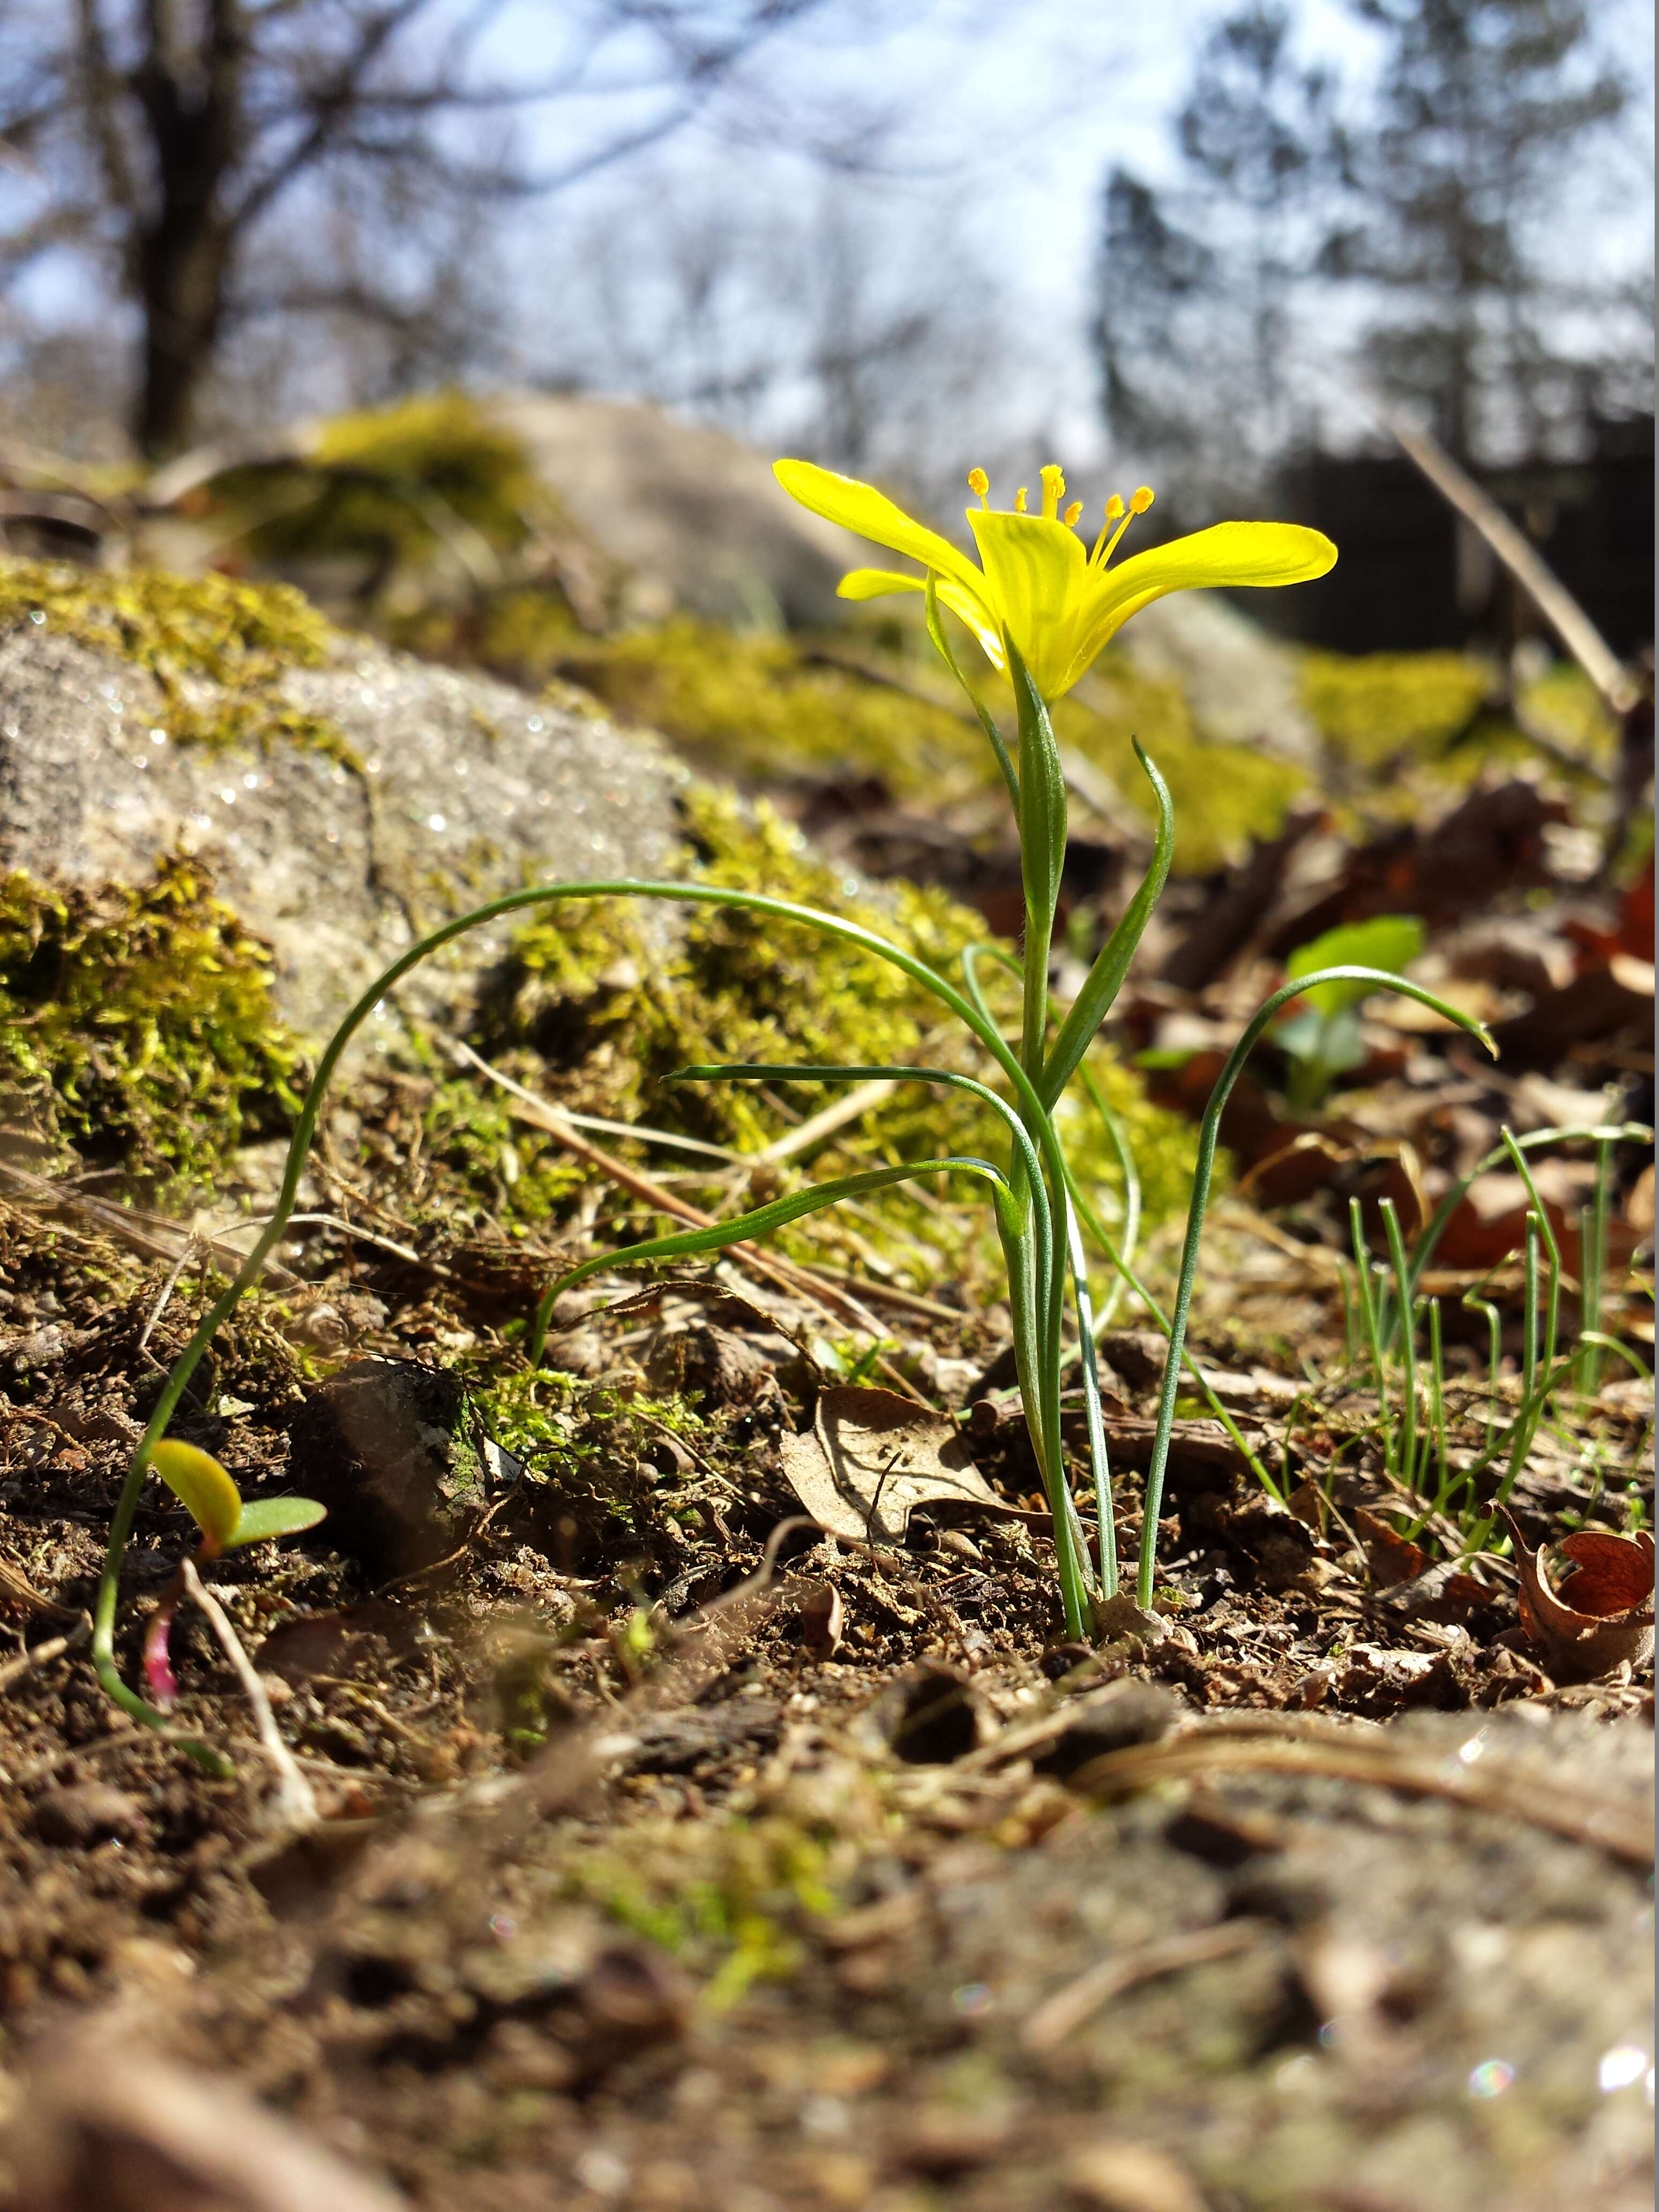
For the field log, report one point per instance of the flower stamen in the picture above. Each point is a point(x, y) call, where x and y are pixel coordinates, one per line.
point(1073, 514)
point(1053, 491)
point(980, 485)
point(1139, 501)
point(1019, 501)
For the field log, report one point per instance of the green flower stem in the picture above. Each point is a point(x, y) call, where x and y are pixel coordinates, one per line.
point(1115, 1256)
point(1209, 1133)
point(1407, 1342)
point(1365, 1291)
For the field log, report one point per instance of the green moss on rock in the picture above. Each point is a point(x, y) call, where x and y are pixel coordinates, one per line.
point(138, 1024)
point(186, 631)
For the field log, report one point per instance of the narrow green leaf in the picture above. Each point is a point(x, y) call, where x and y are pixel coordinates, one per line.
point(1388, 941)
point(942, 647)
point(763, 1219)
point(1105, 979)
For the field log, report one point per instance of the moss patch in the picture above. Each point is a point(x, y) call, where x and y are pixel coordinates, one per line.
point(1373, 707)
point(185, 631)
point(396, 490)
point(138, 1024)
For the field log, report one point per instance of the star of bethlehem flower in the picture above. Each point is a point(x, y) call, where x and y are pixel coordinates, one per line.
point(1059, 600)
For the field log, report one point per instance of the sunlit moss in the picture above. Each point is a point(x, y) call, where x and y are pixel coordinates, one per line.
point(763, 706)
point(1375, 707)
point(138, 1024)
point(394, 486)
point(186, 631)
point(1226, 796)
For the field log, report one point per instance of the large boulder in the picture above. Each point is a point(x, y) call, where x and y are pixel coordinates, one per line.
point(696, 518)
point(383, 795)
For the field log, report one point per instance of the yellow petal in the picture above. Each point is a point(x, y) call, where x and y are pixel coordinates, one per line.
point(202, 1487)
point(1226, 557)
point(861, 508)
point(1036, 580)
point(877, 583)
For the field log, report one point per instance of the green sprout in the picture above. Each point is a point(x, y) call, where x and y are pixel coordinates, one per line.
point(205, 1490)
point(1043, 606)
point(1322, 1039)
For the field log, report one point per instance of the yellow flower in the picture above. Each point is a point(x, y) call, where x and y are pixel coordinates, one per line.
point(1060, 601)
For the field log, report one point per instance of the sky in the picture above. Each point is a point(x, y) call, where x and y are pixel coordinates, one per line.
point(1005, 118)
point(1000, 119)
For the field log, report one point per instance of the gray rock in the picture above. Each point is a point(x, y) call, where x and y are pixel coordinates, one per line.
point(386, 1445)
point(469, 789)
point(695, 517)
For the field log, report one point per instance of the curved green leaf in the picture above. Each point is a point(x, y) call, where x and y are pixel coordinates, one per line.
point(202, 1487)
point(1105, 979)
point(690, 1243)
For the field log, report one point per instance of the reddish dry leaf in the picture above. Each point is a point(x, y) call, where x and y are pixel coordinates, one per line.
point(1391, 1557)
point(1603, 1614)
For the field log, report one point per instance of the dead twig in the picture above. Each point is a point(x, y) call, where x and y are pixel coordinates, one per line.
point(296, 1801)
point(1058, 2017)
point(1526, 565)
point(1617, 1826)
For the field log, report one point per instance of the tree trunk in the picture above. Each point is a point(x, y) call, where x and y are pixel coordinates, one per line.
point(190, 86)
point(182, 269)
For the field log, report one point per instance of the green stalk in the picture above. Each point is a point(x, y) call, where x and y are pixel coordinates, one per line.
point(1209, 1134)
point(1408, 1342)
point(1102, 1236)
point(1365, 1290)
point(1592, 1269)
point(1552, 1325)
point(1622, 1132)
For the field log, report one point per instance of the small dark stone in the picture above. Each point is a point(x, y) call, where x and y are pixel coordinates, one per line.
point(86, 1813)
point(929, 1716)
point(1112, 1719)
point(384, 1444)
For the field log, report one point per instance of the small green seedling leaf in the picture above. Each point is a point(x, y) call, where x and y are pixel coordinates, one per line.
point(215, 1503)
point(1389, 941)
point(202, 1487)
point(264, 1518)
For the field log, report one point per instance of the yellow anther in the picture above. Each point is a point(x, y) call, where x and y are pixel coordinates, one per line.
point(1073, 514)
point(1110, 538)
point(978, 482)
point(1019, 501)
point(1054, 489)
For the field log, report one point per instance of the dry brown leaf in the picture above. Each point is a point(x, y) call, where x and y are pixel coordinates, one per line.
point(872, 1457)
point(1391, 1557)
point(1603, 1614)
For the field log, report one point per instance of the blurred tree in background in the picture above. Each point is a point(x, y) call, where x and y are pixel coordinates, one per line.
point(331, 163)
point(1415, 227)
